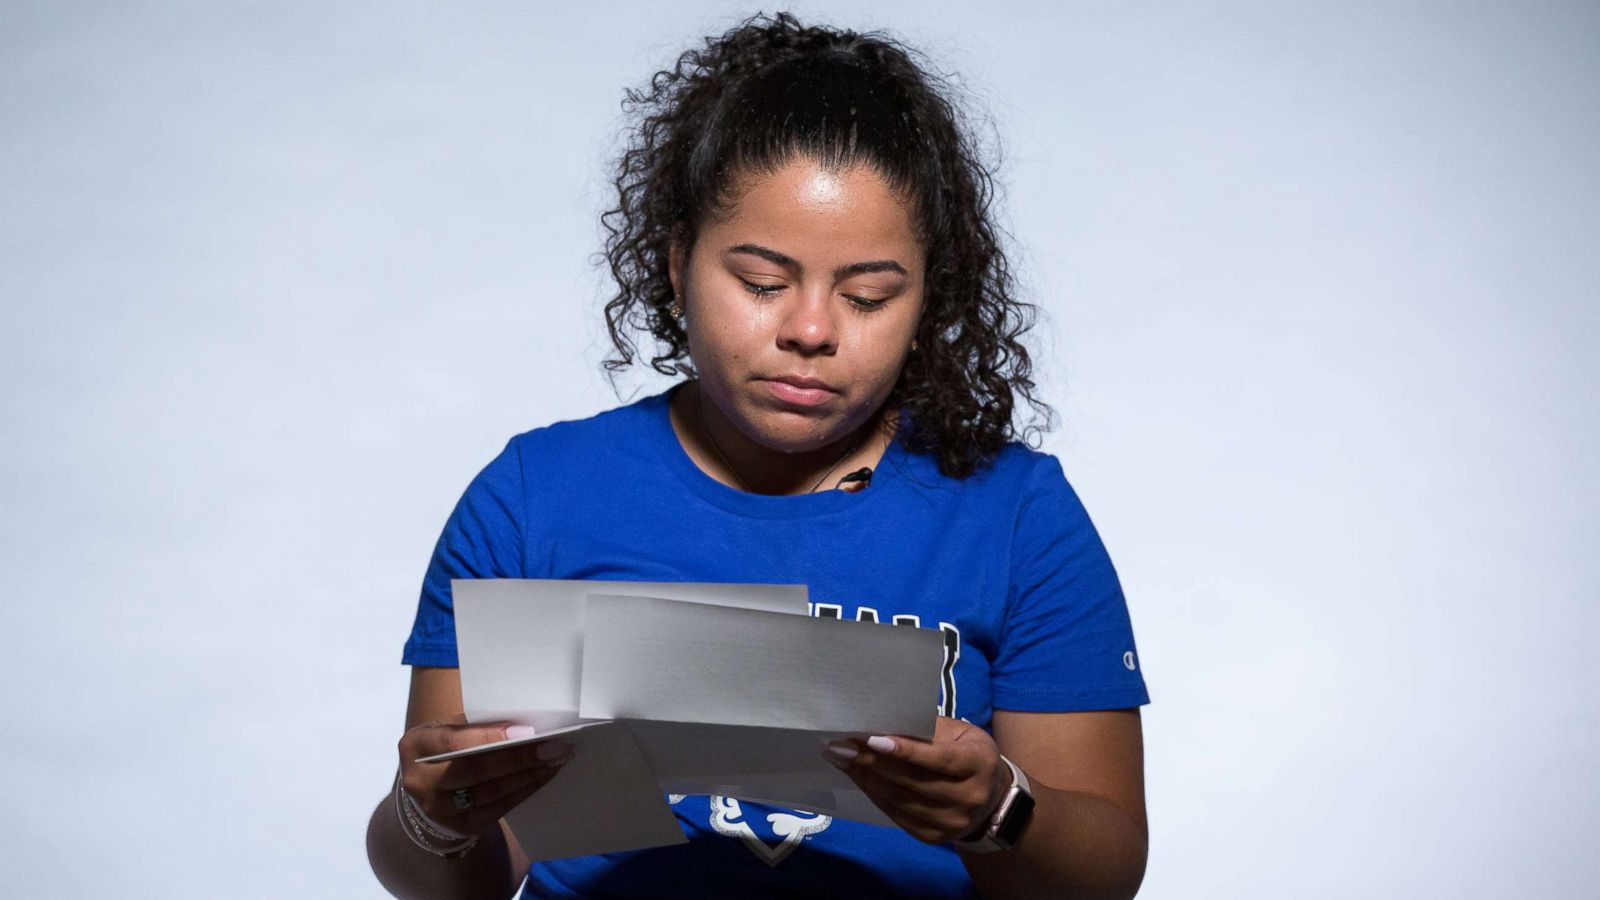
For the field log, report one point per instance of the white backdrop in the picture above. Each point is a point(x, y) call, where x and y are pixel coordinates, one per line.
point(277, 279)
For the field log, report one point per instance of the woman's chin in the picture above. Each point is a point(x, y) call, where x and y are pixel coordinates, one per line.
point(791, 444)
point(782, 435)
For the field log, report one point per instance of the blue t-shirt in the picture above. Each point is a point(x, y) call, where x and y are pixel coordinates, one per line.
point(1005, 563)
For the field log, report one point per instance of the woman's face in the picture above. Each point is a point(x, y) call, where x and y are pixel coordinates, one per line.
point(801, 305)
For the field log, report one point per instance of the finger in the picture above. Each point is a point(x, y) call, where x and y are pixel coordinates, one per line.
point(471, 770)
point(491, 800)
point(953, 758)
point(934, 786)
point(485, 795)
point(914, 776)
point(433, 738)
point(948, 803)
point(906, 800)
point(931, 789)
point(932, 765)
point(911, 812)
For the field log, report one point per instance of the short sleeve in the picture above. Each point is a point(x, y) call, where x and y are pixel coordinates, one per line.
point(1067, 643)
point(481, 539)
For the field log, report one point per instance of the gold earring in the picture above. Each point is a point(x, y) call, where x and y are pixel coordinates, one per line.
point(913, 345)
point(676, 309)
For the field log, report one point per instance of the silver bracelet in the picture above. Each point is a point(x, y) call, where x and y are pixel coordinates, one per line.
point(416, 827)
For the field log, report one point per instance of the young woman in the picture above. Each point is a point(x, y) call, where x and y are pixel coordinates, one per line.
point(802, 231)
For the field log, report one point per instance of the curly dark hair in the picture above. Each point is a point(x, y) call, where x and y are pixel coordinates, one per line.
point(770, 90)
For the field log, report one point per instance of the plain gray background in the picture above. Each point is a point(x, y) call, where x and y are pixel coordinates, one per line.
point(276, 279)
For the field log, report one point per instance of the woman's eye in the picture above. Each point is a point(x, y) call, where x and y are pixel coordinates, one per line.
point(762, 290)
point(864, 304)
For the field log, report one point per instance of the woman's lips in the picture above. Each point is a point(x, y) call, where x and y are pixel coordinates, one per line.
point(797, 395)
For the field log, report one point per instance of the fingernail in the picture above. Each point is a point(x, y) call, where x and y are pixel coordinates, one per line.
point(881, 744)
point(517, 732)
point(841, 751)
point(553, 752)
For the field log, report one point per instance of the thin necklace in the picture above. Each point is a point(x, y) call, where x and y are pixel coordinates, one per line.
point(700, 411)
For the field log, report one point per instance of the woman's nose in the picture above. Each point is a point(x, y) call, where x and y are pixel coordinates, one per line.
point(808, 325)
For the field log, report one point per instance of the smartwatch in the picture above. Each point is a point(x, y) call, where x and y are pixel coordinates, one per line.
point(1006, 823)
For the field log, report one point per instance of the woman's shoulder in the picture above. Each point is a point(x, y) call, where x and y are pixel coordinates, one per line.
point(1010, 470)
point(1017, 459)
point(1007, 487)
point(605, 444)
point(1029, 476)
point(622, 425)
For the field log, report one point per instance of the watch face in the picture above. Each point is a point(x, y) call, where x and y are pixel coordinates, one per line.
point(1016, 819)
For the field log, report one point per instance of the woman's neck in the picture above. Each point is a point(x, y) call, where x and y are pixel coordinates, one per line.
point(724, 453)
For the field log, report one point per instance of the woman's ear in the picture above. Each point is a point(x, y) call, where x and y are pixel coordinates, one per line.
point(677, 258)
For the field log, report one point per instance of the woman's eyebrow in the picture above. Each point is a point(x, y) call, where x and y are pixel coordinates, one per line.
point(789, 262)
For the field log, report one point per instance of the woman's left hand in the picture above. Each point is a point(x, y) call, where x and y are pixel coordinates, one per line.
point(938, 790)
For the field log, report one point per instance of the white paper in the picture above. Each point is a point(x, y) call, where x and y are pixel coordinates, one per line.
point(645, 658)
point(774, 766)
point(734, 692)
point(508, 742)
point(520, 641)
point(603, 800)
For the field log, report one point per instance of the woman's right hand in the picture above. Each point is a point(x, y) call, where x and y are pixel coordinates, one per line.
point(496, 781)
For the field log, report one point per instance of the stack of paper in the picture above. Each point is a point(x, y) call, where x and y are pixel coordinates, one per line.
point(681, 688)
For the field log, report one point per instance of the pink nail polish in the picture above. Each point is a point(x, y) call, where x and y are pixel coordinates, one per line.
point(517, 732)
point(881, 744)
point(842, 751)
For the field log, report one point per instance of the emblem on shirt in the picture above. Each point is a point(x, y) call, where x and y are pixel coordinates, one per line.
point(789, 827)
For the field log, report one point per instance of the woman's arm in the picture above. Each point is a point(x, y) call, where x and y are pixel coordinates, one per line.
point(492, 870)
point(1088, 836)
